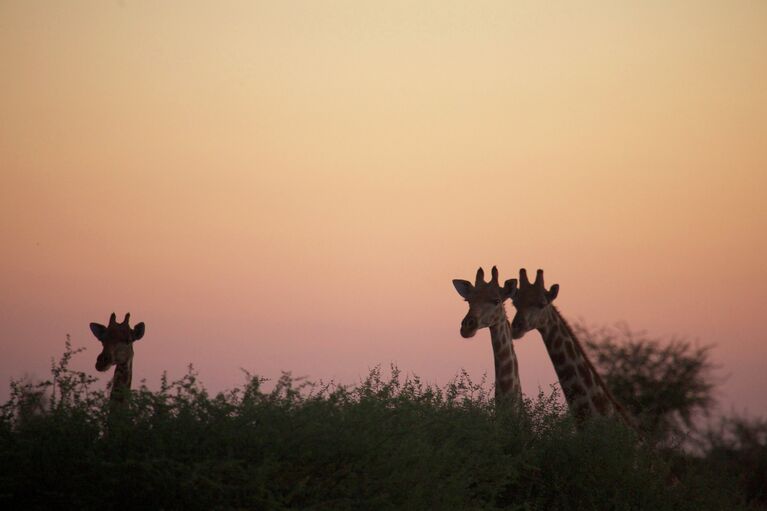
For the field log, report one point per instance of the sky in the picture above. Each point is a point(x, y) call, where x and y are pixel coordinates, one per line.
point(293, 185)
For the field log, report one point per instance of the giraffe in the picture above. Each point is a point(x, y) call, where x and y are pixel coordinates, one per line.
point(486, 309)
point(585, 391)
point(117, 341)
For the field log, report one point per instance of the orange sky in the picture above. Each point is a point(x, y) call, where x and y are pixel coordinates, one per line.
point(293, 185)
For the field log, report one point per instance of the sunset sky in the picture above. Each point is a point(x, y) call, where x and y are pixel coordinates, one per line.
point(292, 185)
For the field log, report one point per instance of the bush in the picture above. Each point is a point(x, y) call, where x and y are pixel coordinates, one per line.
point(738, 445)
point(667, 386)
point(389, 442)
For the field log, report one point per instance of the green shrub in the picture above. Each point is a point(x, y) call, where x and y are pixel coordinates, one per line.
point(389, 442)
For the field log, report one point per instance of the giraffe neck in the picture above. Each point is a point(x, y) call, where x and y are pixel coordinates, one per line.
point(507, 383)
point(585, 392)
point(122, 381)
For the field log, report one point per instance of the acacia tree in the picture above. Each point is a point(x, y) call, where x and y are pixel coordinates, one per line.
point(664, 385)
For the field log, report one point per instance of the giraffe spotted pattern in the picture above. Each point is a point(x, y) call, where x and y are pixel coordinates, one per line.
point(585, 391)
point(486, 310)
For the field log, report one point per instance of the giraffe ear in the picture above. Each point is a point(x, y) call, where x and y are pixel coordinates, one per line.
point(463, 287)
point(99, 331)
point(510, 289)
point(552, 293)
point(138, 331)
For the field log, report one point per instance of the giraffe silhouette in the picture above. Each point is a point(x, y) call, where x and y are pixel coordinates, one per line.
point(486, 309)
point(117, 350)
point(585, 391)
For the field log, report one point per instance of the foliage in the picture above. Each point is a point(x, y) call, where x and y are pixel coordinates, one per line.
point(389, 442)
point(664, 385)
point(739, 446)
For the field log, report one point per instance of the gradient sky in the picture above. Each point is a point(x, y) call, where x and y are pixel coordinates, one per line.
point(292, 185)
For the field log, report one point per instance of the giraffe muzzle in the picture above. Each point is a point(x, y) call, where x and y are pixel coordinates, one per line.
point(468, 327)
point(103, 363)
point(518, 328)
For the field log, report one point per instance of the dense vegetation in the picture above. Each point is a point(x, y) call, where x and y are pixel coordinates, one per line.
point(667, 386)
point(389, 442)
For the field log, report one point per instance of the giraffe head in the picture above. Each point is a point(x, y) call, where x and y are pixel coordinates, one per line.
point(117, 341)
point(485, 301)
point(532, 302)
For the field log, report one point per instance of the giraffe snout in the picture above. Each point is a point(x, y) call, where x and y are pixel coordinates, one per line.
point(518, 328)
point(468, 326)
point(103, 362)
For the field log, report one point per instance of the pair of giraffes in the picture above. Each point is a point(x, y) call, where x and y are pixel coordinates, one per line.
point(585, 391)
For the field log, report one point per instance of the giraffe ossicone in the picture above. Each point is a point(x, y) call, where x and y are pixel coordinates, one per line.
point(486, 310)
point(585, 391)
point(117, 350)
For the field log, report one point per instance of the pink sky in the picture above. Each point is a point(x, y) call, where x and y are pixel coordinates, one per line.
point(293, 185)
